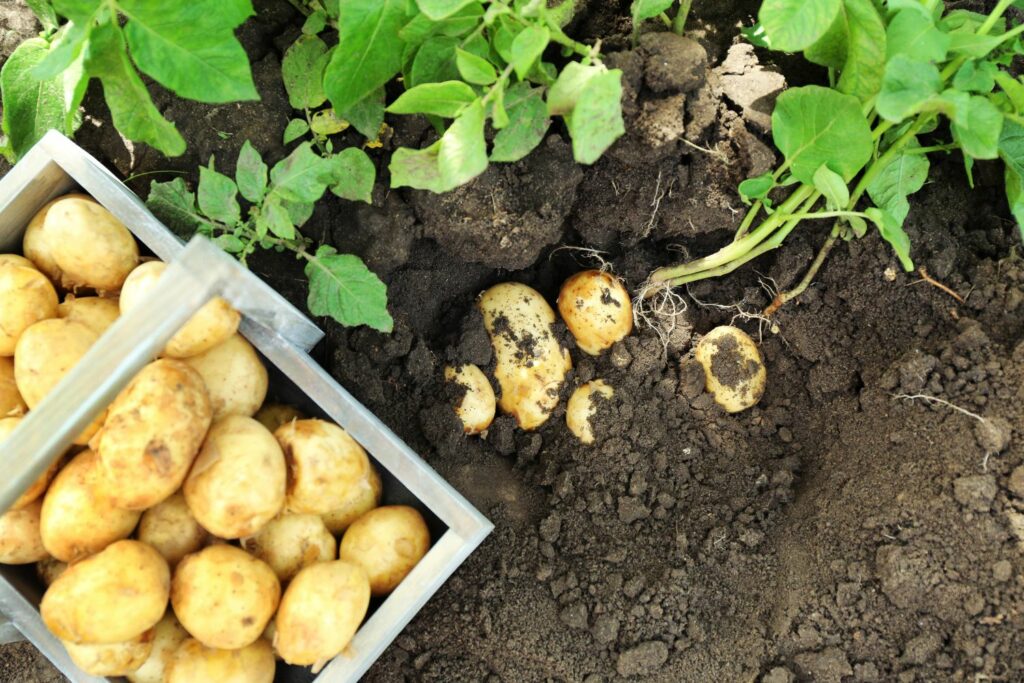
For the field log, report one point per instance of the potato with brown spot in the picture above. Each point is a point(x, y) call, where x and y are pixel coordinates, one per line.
point(324, 464)
point(290, 542)
point(171, 528)
point(11, 402)
point(194, 663)
point(20, 541)
point(734, 372)
point(38, 487)
point(581, 407)
point(28, 297)
point(476, 406)
point(168, 635)
point(111, 659)
point(387, 542)
point(597, 310)
point(234, 375)
point(361, 498)
point(96, 313)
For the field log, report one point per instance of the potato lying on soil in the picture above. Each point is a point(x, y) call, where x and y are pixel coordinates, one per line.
point(531, 364)
point(89, 245)
point(597, 310)
point(237, 483)
point(94, 312)
point(290, 542)
point(79, 518)
point(477, 404)
point(273, 415)
point(581, 408)
point(27, 297)
point(324, 464)
point(362, 498)
point(168, 635)
point(211, 325)
point(49, 568)
point(224, 596)
point(110, 597)
point(152, 433)
point(35, 243)
point(7, 426)
point(234, 375)
point(11, 402)
point(387, 542)
point(193, 663)
point(320, 612)
point(20, 542)
point(733, 369)
point(170, 528)
point(112, 659)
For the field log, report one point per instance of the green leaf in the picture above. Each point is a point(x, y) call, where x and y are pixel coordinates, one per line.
point(298, 212)
point(892, 232)
point(354, 175)
point(503, 38)
point(648, 9)
point(1011, 146)
point(190, 47)
point(67, 47)
point(498, 114)
point(295, 129)
point(434, 62)
point(442, 9)
point(830, 49)
point(218, 196)
point(369, 51)
point(528, 123)
point(315, 23)
point(327, 122)
point(251, 173)
point(473, 69)
point(302, 70)
point(813, 125)
point(367, 115)
point(562, 13)
point(1013, 88)
point(417, 168)
point(275, 219)
point(977, 123)
point(229, 243)
point(440, 99)
point(792, 25)
point(342, 287)
point(832, 186)
point(44, 10)
point(907, 88)
point(596, 120)
point(175, 206)
point(564, 93)
point(864, 67)
point(972, 45)
point(757, 187)
point(527, 47)
point(901, 177)
point(976, 76)
point(463, 152)
point(913, 33)
point(302, 176)
point(77, 10)
point(1015, 197)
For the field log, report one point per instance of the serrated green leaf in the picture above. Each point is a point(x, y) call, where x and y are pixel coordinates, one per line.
point(901, 177)
point(908, 87)
point(175, 206)
point(757, 187)
point(218, 196)
point(367, 115)
point(342, 287)
point(302, 176)
point(354, 175)
point(832, 186)
point(647, 9)
point(302, 70)
point(295, 129)
point(315, 23)
point(864, 67)
point(251, 173)
point(440, 99)
point(442, 9)
point(527, 47)
point(976, 76)
point(913, 33)
point(793, 25)
point(474, 69)
point(892, 232)
point(596, 120)
point(528, 123)
point(977, 123)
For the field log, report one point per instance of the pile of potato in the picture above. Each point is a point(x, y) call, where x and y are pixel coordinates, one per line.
point(192, 533)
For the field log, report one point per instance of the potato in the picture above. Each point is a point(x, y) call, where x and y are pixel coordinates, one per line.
point(597, 310)
point(45, 353)
point(171, 529)
point(581, 407)
point(89, 245)
point(11, 402)
point(234, 375)
point(37, 488)
point(15, 260)
point(49, 568)
point(94, 312)
point(290, 542)
point(36, 241)
point(476, 406)
point(531, 364)
point(20, 542)
point(27, 297)
point(111, 659)
point(78, 516)
point(194, 663)
point(152, 433)
point(273, 415)
point(168, 635)
point(387, 542)
point(324, 464)
point(320, 612)
point(733, 370)
point(238, 481)
point(224, 597)
point(110, 597)
point(362, 498)
point(211, 325)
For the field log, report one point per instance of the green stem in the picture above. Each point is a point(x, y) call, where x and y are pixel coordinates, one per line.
point(889, 154)
point(679, 23)
point(996, 15)
point(506, 72)
point(664, 19)
point(782, 297)
point(748, 220)
point(933, 148)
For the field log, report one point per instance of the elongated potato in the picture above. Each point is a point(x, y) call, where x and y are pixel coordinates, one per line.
point(37, 488)
point(11, 402)
point(290, 542)
point(168, 635)
point(733, 370)
point(20, 542)
point(211, 325)
point(324, 463)
point(78, 517)
point(531, 364)
point(273, 415)
point(387, 542)
point(36, 240)
point(224, 596)
point(362, 498)
point(238, 481)
point(234, 375)
point(110, 597)
point(477, 404)
point(49, 568)
point(193, 663)
point(152, 433)
point(96, 313)
point(597, 310)
point(320, 612)
point(171, 529)
point(111, 659)
point(89, 245)
point(581, 408)
point(27, 297)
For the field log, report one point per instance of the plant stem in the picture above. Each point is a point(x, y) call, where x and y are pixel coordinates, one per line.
point(679, 23)
point(664, 19)
point(997, 14)
point(300, 6)
point(782, 297)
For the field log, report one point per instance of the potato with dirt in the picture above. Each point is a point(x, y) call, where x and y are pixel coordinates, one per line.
point(168, 635)
point(96, 313)
point(152, 433)
point(195, 663)
point(597, 310)
point(35, 243)
point(89, 245)
point(581, 406)
point(530, 362)
point(235, 377)
point(11, 402)
point(387, 542)
point(28, 297)
point(224, 596)
point(324, 465)
point(734, 372)
point(111, 597)
point(274, 415)
point(476, 406)
point(111, 659)
point(38, 487)
point(290, 542)
point(20, 540)
point(170, 527)
point(361, 498)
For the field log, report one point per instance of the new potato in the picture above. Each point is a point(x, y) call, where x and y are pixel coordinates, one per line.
point(597, 310)
point(37, 488)
point(477, 404)
point(273, 415)
point(49, 568)
point(89, 245)
point(112, 659)
point(171, 528)
point(15, 260)
point(733, 370)
point(96, 313)
point(581, 407)
point(27, 297)
point(194, 663)
point(234, 376)
point(387, 542)
point(290, 542)
point(324, 464)
point(362, 498)
point(35, 242)
point(20, 542)
point(168, 635)
point(11, 403)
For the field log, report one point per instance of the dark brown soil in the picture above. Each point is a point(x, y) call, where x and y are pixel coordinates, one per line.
point(839, 531)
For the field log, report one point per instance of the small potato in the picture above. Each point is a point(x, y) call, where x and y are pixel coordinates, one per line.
point(224, 596)
point(238, 481)
point(290, 542)
point(89, 245)
point(581, 408)
point(210, 326)
point(168, 635)
point(110, 597)
point(273, 415)
point(387, 542)
point(324, 463)
point(20, 542)
point(15, 260)
point(362, 498)
point(49, 568)
point(37, 488)
point(476, 406)
point(94, 312)
point(27, 297)
point(597, 310)
point(733, 370)
point(152, 433)
point(78, 517)
point(11, 402)
point(234, 375)
point(320, 612)
point(36, 241)
point(111, 659)
point(531, 364)
point(194, 663)
point(171, 529)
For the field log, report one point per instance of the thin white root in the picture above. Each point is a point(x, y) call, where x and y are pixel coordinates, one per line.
point(659, 194)
point(714, 152)
point(659, 312)
point(587, 253)
point(740, 313)
point(940, 401)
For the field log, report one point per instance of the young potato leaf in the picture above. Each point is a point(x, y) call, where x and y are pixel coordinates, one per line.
point(369, 51)
point(275, 219)
point(298, 212)
point(302, 176)
point(66, 48)
point(474, 69)
point(44, 10)
point(907, 88)
point(440, 99)
point(596, 120)
point(793, 25)
point(251, 173)
point(862, 72)
point(527, 47)
point(354, 174)
point(434, 62)
point(832, 186)
point(463, 152)
point(528, 123)
point(367, 115)
point(1015, 197)
point(295, 129)
point(564, 93)
point(913, 33)
point(302, 70)
point(977, 123)
point(976, 76)
point(76, 10)
point(315, 23)
point(901, 177)
point(892, 232)
point(830, 50)
point(417, 168)
point(343, 288)
point(442, 9)
point(175, 206)
point(218, 196)
point(757, 187)
point(504, 37)
point(647, 9)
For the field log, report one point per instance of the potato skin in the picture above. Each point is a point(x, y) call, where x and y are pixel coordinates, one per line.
point(580, 408)
point(38, 487)
point(290, 542)
point(28, 297)
point(734, 372)
point(78, 517)
point(597, 310)
point(531, 364)
point(49, 568)
point(20, 542)
point(273, 415)
point(16, 260)
point(234, 376)
point(170, 528)
point(112, 659)
point(110, 597)
point(91, 247)
point(387, 542)
point(193, 663)
point(96, 313)
point(152, 433)
point(224, 596)
point(361, 498)
point(168, 635)
point(238, 481)
point(11, 402)
point(320, 612)
point(324, 463)
point(35, 243)
point(477, 405)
